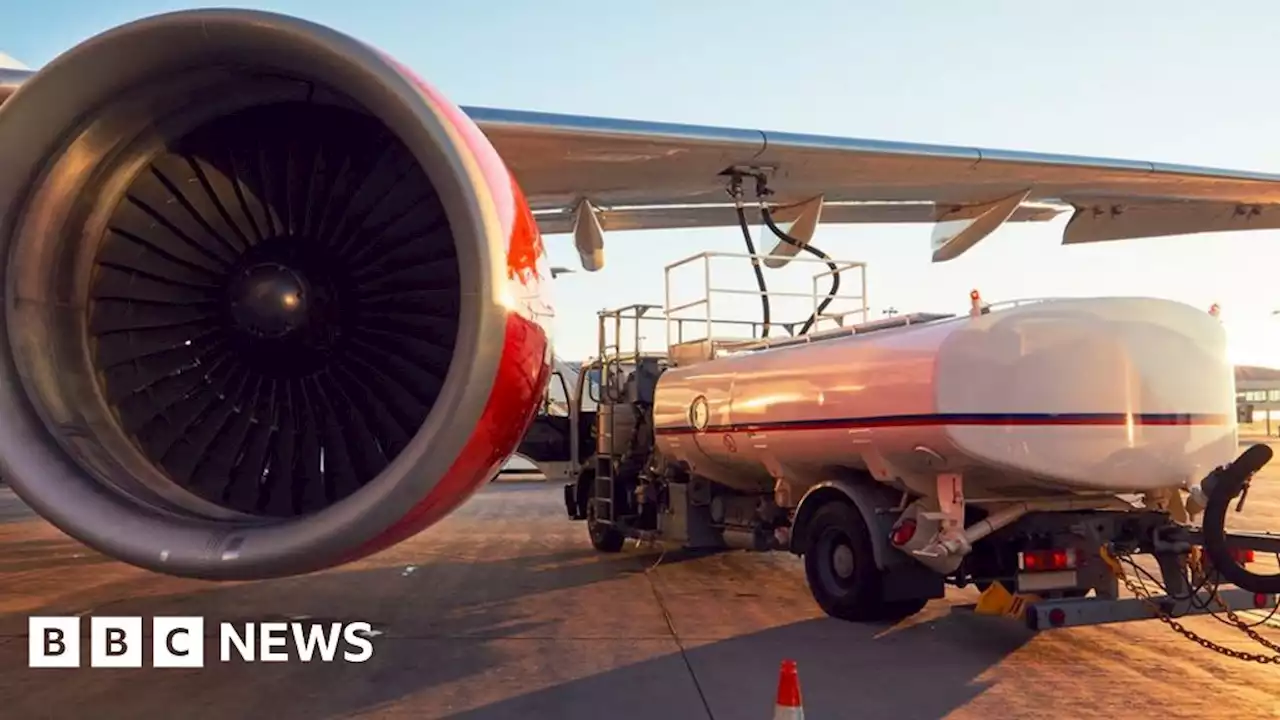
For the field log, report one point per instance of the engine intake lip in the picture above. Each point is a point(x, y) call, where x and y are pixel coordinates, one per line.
point(122, 94)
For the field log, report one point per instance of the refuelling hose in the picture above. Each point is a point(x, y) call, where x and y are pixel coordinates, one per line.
point(755, 265)
point(1221, 487)
point(809, 248)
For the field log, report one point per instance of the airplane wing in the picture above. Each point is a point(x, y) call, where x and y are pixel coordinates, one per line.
point(589, 175)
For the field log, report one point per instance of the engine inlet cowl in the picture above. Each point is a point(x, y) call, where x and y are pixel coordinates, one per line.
point(254, 299)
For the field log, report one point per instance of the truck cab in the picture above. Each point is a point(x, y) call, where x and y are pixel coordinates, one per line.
point(562, 436)
point(578, 417)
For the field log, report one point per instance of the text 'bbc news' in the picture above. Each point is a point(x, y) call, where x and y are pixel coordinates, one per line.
point(179, 642)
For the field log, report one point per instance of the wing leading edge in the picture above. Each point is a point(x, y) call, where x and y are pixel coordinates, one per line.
point(640, 175)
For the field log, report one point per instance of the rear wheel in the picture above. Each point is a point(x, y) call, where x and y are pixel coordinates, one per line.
point(841, 569)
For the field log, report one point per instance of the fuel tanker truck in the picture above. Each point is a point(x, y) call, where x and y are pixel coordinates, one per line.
point(1034, 449)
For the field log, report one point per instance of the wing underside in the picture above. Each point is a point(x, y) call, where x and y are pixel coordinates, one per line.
point(640, 175)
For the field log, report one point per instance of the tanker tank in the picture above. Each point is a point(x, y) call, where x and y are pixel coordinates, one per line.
point(1114, 394)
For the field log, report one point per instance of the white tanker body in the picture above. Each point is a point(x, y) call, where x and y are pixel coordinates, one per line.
point(1111, 394)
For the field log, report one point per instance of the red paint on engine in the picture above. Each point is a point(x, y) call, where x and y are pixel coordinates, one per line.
point(522, 375)
point(525, 364)
point(525, 248)
point(525, 254)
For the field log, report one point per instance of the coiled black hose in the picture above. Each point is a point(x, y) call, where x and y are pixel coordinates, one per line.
point(1222, 487)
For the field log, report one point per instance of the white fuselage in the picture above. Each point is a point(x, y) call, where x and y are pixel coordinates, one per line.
point(1068, 395)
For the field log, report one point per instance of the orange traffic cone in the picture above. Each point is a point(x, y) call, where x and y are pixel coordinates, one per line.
point(788, 706)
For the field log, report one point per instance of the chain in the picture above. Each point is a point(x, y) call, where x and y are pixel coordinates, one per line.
point(1196, 563)
point(1142, 594)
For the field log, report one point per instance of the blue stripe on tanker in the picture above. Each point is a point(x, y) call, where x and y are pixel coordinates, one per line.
point(979, 419)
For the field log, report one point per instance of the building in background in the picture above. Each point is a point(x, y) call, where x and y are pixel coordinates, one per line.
point(1257, 395)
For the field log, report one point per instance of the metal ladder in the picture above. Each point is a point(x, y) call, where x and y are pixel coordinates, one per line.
point(613, 358)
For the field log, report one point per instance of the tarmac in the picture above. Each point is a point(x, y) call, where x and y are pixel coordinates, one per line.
point(505, 611)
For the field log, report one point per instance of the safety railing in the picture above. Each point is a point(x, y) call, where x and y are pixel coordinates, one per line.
point(699, 327)
point(1017, 302)
point(621, 338)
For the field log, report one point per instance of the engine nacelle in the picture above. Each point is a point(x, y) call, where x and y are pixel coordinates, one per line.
point(271, 303)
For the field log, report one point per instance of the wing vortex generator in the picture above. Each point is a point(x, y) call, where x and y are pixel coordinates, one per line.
point(267, 297)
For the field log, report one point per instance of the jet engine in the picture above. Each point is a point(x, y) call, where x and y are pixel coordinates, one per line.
point(271, 303)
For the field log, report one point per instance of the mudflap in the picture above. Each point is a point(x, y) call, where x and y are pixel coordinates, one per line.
point(571, 501)
point(911, 581)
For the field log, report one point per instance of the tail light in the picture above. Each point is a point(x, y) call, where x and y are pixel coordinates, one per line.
point(1047, 560)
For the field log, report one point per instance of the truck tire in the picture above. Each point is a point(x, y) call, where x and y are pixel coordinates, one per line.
point(840, 567)
point(605, 538)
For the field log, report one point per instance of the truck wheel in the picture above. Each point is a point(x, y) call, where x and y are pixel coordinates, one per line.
point(605, 538)
point(840, 567)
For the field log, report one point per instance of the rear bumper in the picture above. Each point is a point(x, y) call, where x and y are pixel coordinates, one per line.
point(1051, 614)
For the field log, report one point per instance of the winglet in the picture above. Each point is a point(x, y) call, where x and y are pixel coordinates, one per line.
point(801, 230)
point(588, 236)
point(949, 241)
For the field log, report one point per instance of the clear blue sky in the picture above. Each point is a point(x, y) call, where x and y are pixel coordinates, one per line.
point(1168, 80)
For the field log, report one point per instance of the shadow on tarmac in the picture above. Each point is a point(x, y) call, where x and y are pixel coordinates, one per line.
point(923, 671)
point(446, 621)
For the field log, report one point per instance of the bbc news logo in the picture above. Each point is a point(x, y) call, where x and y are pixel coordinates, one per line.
point(178, 642)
